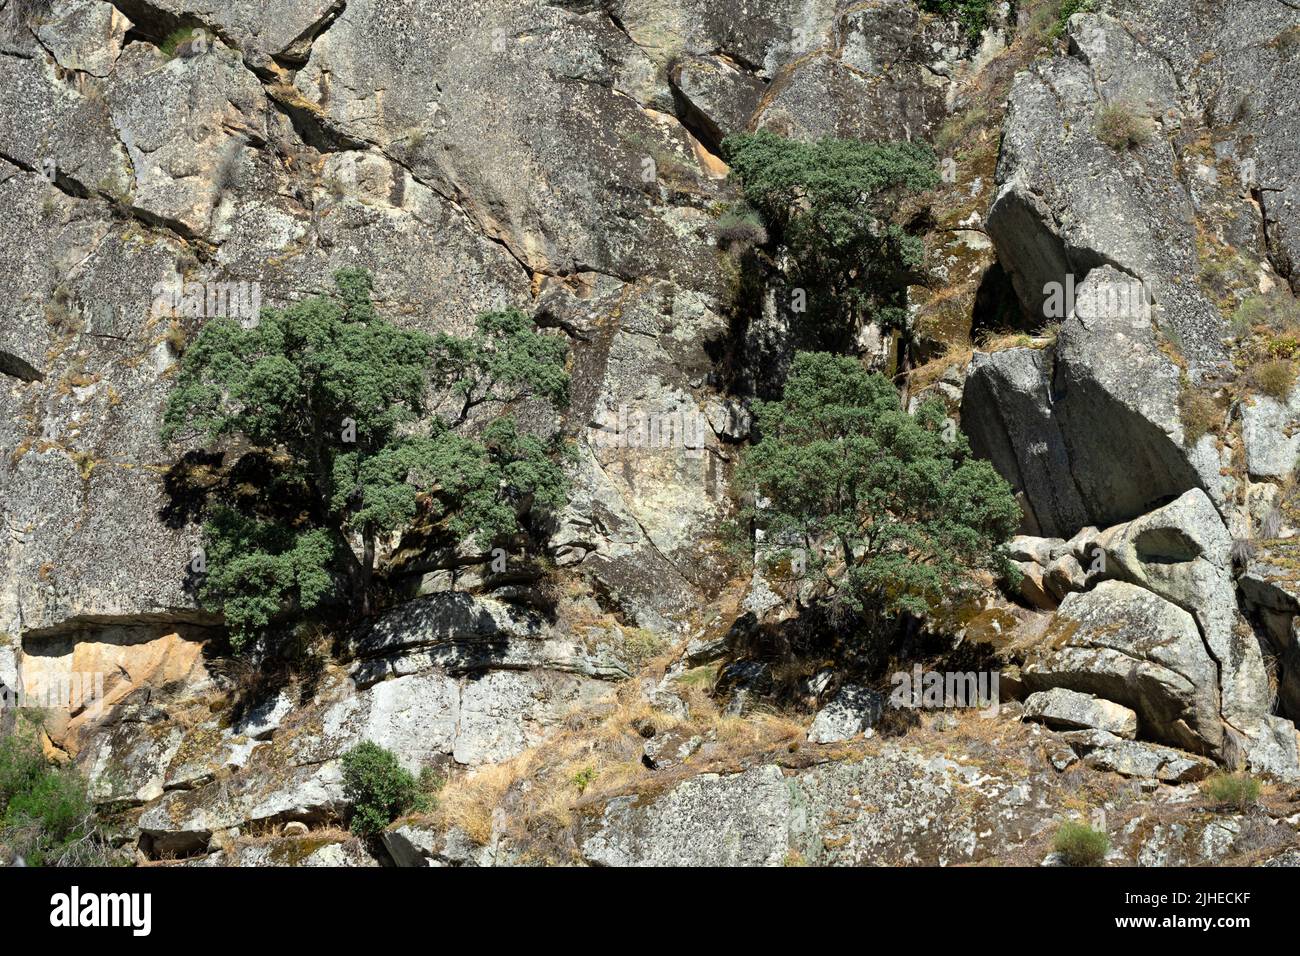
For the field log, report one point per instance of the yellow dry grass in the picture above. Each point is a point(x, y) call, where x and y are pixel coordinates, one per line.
point(596, 754)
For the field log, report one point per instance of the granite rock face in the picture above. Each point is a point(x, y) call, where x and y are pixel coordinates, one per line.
point(566, 157)
point(1130, 646)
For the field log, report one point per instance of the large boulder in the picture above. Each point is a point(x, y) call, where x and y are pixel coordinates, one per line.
point(1088, 432)
point(1270, 588)
point(1007, 413)
point(898, 807)
point(1242, 56)
point(1182, 552)
point(1127, 645)
point(1271, 431)
point(882, 71)
point(851, 711)
point(1069, 203)
point(1152, 232)
point(1066, 709)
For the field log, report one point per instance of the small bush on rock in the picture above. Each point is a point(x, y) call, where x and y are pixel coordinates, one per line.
point(973, 15)
point(1236, 790)
point(1274, 378)
point(1080, 845)
point(1199, 413)
point(1274, 313)
point(739, 229)
point(1068, 9)
point(379, 787)
point(46, 816)
point(1122, 126)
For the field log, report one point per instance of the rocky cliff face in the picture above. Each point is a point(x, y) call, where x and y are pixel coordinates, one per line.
point(565, 158)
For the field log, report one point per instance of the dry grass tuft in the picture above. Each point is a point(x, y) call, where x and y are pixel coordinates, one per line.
point(1199, 412)
point(1274, 378)
point(1123, 126)
point(595, 755)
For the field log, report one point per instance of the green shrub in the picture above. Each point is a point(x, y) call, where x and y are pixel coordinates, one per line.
point(1277, 312)
point(46, 815)
point(1080, 845)
point(584, 779)
point(1121, 125)
point(1237, 790)
point(900, 518)
point(430, 784)
point(183, 41)
point(739, 229)
point(335, 407)
point(1068, 9)
point(834, 205)
point(973, 15)
point(379, 787)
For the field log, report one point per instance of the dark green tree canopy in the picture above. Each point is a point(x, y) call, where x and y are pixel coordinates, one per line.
point(833, 204)
point(364, 425)
point(889, 512)
point(972, 15)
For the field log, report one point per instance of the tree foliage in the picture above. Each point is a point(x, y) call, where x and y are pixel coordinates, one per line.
point(833, 205)
point(973, 15)
point(46, 816)
point(380, 788)
point(891, 514)
point(363, 426)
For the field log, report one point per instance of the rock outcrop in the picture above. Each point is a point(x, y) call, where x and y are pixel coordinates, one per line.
point(637, 703)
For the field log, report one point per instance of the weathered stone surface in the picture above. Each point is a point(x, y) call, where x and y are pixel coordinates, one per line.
point(875, 75)
point(720, 96)
point(1252, 64)
point(503, 712)
point(1079, 215)
point(180, 154)
point(1065, 575)
point(1270, 587)
point(563, 157)
point(1067, 709)
point(1275, 749)
point(126, 760)
point(462, 633)
point(79, 677)
point(184, 821)
point(1024, 547)
point(877, 811)
point(848, 714)
point(1182, 552)
point(1068, 204)
point(564, 195)
point(1132, 647)
point(261, 28)
point(747, 815)
point(651, 489)
point(1007, 413)
point(1033, 587)
point(295, 851)
point(1271, 431)
point(448, 677)
point(83, 35)
point(1103, 750)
